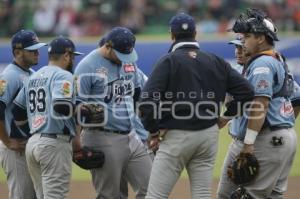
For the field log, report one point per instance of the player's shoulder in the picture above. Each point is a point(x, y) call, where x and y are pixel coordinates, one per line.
point(61, 73)
point(11, 69)
point(265, 59)
point(89, 60)
point(266, 63)
point(14, 74)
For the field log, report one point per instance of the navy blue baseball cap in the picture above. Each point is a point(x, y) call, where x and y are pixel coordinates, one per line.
point(101, 42)
point(122, 42)
point(182, 23)
point(26, 39)
point(61, 45)
point(237, 40)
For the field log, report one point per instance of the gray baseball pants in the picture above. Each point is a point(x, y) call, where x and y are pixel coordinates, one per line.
point(124, 155)
point(194, 150)
point(18, 179)
point(50, 164)
point(275, 164)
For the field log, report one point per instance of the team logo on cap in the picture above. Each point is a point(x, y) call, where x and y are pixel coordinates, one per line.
point(184, 26)
point(3, 85)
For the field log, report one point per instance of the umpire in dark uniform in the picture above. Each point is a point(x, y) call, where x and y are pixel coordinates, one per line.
point(180, 106)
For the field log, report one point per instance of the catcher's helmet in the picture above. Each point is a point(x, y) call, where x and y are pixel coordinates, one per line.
point(255, 21)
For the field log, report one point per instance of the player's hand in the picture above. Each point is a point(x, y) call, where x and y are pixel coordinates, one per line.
point(248, 148)
point(222, 122)
point(153, 142)
point(16, 144)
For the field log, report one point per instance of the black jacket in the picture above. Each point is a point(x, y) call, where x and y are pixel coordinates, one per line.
point(187, 88)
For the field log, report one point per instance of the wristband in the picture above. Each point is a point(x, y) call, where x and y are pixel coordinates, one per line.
point(250, 136)
point(154, 135)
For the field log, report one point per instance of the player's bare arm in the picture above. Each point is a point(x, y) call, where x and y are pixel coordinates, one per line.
point(257, 117)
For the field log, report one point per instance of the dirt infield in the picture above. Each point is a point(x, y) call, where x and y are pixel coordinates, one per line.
point(80, 190)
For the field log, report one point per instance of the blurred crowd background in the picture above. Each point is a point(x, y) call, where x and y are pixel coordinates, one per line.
point(95, 17)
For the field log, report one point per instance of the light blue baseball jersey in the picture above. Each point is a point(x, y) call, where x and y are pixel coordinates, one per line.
point(48, 85)
point(140, 130)
point(11, 82)
point(101, 81)
point(266, 74)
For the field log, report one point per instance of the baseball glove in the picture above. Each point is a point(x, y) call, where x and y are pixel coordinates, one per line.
point(243, 169)
point(93, 113)
point(88, 158)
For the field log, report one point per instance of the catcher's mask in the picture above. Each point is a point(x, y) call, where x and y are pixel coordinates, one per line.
point(255, 21)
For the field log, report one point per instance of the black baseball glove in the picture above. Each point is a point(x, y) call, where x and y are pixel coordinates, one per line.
point(88, 158)
point(93, 113)
point(243, 169)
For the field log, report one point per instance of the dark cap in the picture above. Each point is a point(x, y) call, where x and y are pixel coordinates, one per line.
point(122, 41)
point(26, 39)
point(182, 23)
point(101, 42)
point(61, 45)
point(237, 40)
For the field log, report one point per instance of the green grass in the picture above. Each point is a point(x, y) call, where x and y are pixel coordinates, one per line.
point(224, 140)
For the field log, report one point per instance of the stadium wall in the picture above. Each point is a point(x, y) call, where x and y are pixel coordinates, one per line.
point(150, 52)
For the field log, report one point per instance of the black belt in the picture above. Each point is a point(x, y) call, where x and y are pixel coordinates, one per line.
point(274, 128)
point(267, 125)
point(55, 136)
point(236, 138)
point(110, 130)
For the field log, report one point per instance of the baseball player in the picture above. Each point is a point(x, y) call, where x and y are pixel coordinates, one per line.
point(239, 54)
point(141, 132)
point(109, 76)
point(25, 45)
point(47, 100)
point(181, 101)
point(267, 129)
point(241, 60)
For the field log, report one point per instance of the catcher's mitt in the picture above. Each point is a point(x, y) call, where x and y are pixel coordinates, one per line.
point(88, 158)
point(243, 169)
point(93, 113)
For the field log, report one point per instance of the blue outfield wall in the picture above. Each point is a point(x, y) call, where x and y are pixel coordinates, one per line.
point(150, 52)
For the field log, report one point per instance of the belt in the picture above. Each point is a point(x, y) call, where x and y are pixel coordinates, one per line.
point(272, 128)
point(236, 138)
point(57, 136)
point(110, 130)
point(276, 128)
point(267, 125)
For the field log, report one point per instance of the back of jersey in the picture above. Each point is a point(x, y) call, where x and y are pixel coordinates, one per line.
point(49, 85)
